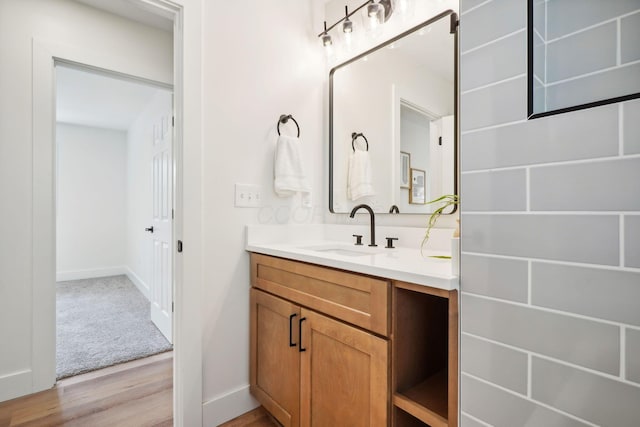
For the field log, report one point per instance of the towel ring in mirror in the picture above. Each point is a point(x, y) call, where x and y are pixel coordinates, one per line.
point(355, 136)
point(284, 119)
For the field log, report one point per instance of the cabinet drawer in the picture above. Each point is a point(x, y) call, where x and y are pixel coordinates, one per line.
point(354, 298)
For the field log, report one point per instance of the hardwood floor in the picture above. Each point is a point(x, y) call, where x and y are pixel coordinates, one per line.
point(256, 418)
point(134, 394)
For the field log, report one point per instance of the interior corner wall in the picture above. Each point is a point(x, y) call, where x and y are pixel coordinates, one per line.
point(139, 196)
point(258, 66)
point(90, 201)
point(71, 24)
point(550, 222)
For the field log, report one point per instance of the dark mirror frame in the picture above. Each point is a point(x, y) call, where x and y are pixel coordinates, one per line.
point(530, 68)
point(453, 29)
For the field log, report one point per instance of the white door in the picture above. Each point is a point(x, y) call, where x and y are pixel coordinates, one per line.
point(161, 274)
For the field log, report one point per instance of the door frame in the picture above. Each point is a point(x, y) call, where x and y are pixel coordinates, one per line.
point(187, 362)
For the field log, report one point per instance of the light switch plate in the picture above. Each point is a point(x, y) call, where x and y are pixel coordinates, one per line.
point(248, 196)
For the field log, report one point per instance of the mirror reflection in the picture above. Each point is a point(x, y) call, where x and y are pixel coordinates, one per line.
point(392, 125)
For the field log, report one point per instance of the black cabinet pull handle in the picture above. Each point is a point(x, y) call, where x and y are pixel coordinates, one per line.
point(300, 336)
point(150, 229)
point(291, 343)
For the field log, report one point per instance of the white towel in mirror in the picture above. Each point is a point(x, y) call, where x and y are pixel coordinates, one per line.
point(289, 170)
point(359, 181)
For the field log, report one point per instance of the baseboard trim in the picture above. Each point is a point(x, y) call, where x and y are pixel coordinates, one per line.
point(62, 276)
point(228, 406)
point(140, 284)
point(15, 384)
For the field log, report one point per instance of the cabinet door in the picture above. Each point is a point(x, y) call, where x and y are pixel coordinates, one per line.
point(344, 374)
point(275, 359)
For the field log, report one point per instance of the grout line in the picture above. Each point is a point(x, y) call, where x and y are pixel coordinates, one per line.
point(479, 421)
point(476, 7)
point(593, 73)
point(529, 376)
point(621, 230)
point(542, 404)
point(540, 36)
point(556, 163)
point(535, 76)
point(621, 129)
point(618, 41)
point(473, 49)
point(515, 122)
point(550, 359)
point(623, 350)
point(529, 281)
point(519, 76)
point(546, 310)
point(555, 262)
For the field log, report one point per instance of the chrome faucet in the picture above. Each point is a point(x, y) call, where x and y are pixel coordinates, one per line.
point(373, 221)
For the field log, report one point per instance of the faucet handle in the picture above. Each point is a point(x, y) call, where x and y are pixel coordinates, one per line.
point(390, 242)
point(358, 239)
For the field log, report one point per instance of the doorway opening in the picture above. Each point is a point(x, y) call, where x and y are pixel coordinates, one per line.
point(114, 208)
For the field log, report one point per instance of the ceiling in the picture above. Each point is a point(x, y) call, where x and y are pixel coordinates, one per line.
point(132, 10)
point(91, 99)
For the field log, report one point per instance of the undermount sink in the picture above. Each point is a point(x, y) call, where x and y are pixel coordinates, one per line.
point(343, 249)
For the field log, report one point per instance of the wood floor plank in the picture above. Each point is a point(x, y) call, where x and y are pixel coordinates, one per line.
point(139, 395)
point(259, 417)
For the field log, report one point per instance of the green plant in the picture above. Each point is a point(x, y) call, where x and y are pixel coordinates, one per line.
point(446, 200)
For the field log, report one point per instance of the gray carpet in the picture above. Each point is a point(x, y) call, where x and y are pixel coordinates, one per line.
point(102, 322)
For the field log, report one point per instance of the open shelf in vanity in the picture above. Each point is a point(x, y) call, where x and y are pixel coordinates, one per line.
point(425, 362)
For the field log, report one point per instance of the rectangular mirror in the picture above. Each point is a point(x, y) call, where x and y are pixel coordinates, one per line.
point(392, 112)
point(582, 54)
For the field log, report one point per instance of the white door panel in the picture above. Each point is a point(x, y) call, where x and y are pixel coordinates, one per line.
point(161, 294)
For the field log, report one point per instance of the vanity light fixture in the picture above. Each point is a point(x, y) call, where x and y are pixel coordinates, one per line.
point(376, 12)
point(347, 25)
point(326, 38)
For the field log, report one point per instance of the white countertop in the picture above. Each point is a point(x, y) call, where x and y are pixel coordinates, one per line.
point(308, 243)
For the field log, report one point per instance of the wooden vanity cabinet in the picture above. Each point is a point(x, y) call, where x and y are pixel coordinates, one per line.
point(335, 348)
point(308, 368)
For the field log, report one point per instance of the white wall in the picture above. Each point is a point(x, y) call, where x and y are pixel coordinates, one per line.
point(68, 23)
point(257, 65)
point(139, 190)
point(90, 229)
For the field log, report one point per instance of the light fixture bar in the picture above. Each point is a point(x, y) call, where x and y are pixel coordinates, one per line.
point(326, 30)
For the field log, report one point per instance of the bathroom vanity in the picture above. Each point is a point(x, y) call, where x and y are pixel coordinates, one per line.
point(334, 345)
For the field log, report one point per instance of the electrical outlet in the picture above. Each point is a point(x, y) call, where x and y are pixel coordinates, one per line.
point(248, 196)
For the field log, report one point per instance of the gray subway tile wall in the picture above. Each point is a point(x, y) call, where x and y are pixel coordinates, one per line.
point(562, 18)
point(558, 280)
point(562, 63)
point(631, 126)
point(612, 83)
point(497, 277)
point(495, 363)
point(585, 134)
point(632, 241)
point(632, 360)
point(608, 185)
point(486, 191)
point(500, 408)
point(600, 400)
point(607, 294)
point(583, 342)
point(578, 238)
point(496, 61)
point(629, 38)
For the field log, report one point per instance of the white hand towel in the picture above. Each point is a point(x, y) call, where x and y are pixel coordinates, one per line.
point(359, 182)
point(289, 170)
